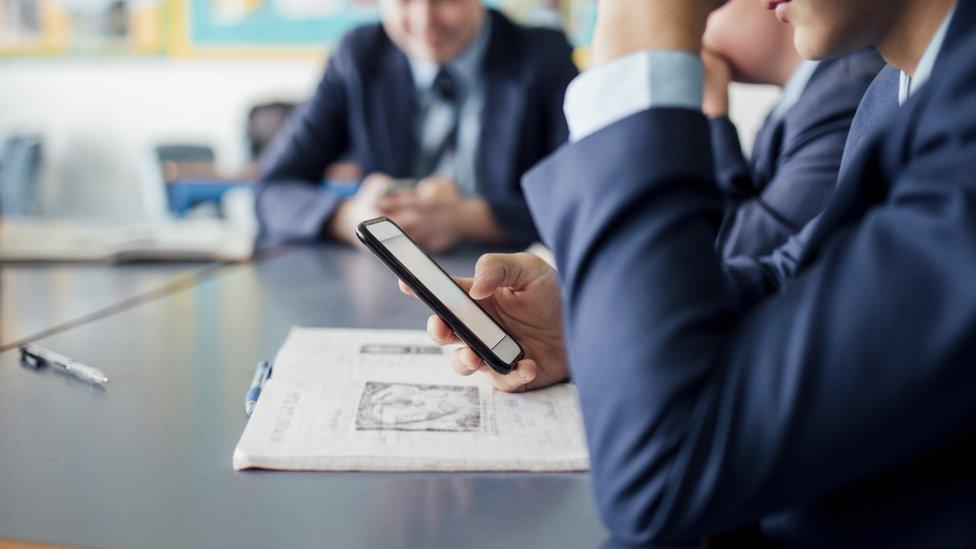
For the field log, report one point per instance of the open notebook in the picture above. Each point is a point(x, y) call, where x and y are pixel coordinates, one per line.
point(384, 400)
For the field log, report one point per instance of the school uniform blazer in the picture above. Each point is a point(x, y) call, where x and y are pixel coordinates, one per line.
point(839, 411)
point(364, 106)
point(795, 158)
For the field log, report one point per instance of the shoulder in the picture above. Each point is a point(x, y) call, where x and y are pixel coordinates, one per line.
point(532, 43)
point(836, 91)
point(363, 44)
point(850, 75)
point(956, 67)
point(864, 64)
point(947, 103)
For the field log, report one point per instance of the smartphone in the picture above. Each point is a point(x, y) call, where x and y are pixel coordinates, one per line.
point(435, 288)
point(397, 185)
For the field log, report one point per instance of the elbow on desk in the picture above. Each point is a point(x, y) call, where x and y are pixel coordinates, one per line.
point(292, 211)
point(655, 481)
point(261, 210)
point(263, 205)
point(639, 511)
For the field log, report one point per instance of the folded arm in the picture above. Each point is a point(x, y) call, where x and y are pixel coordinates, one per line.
point(290, 201)
point(764, 214)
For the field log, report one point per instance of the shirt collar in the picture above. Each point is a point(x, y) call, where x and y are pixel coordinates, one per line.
point(908, 85)
point(466, 66)
point(795, 87)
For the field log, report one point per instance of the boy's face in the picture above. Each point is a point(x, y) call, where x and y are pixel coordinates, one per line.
point(438, 30)
point(829, 28)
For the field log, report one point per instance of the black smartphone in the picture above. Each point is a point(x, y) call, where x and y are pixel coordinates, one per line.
point(435, 288)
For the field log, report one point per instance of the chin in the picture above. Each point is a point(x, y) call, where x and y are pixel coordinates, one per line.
point(424, 51)
point(813, 47)
point(829, 43)
point(445, 53)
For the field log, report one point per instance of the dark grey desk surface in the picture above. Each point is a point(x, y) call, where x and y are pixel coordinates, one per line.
point(35, 298)
point(147, 462)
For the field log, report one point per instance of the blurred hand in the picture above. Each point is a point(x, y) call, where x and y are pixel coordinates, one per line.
point(432, 214)
point(628, 26)
point(718, 76)
point(362, 206)
point(521, 292)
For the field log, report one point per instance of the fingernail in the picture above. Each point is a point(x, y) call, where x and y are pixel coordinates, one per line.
point(524, 376)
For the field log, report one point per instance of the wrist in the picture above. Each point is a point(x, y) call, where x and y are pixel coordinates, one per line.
point(715, 104)
point(338, 226)
point(476, 222)
point(628, 26)
point(467, 212)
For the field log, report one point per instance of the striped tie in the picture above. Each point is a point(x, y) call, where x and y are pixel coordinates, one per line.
point(438, 138)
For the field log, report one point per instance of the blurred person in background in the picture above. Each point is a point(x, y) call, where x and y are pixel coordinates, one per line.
point(797, 152)
point(444, 105)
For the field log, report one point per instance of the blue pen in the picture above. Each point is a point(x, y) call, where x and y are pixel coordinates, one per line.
point(260, 376)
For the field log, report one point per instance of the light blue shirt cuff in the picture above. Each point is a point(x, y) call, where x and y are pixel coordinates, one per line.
point(601, 96)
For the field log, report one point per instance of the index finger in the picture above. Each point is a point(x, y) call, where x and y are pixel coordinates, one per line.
point(494, 271)
point(405, 289)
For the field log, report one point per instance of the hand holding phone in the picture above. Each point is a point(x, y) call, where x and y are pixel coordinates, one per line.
point(435, 288)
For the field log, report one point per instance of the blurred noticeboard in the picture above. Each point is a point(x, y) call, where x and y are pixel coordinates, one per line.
point(69, 27)
point(220, 27)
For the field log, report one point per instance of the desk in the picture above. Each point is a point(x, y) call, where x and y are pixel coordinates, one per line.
point(35, 298)
point(147, 462)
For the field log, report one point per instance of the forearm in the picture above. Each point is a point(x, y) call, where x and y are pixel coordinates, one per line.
point(290, 202)
point(293, 210)
point(629, 26)
point(734, 173)
point(632, 226)
point(764, 216)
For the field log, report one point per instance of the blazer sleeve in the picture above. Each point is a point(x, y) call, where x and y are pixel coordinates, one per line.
point(804, 180)
point(290, 201)
point(701, 417)
point(511, 212)
point(557, 129)
point(733, 172)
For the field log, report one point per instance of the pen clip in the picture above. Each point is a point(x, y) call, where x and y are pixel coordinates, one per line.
point(31, 359)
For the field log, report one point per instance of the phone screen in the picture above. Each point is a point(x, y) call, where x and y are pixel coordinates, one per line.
point(439, 284)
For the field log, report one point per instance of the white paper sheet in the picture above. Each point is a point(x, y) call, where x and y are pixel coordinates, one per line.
point(389, 401)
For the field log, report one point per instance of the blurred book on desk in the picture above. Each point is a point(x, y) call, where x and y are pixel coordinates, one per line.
point(388, 400)
point(40, 239)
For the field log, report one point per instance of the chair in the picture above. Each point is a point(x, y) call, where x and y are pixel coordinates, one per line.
point(20, 168)
point(264, 121)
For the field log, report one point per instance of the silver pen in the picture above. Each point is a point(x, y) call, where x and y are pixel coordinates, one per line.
point(36, 357)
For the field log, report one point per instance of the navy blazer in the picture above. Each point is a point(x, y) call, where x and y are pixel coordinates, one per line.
point(365, 106)
point(795, 158)
point(753, 277)
point(840, 412)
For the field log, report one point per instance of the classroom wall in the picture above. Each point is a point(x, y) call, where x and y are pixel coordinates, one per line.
point(101, 117)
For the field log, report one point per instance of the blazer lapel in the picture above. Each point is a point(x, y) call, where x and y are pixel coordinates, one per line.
point(499, 140)
point(395, 98)
point(767, 146)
